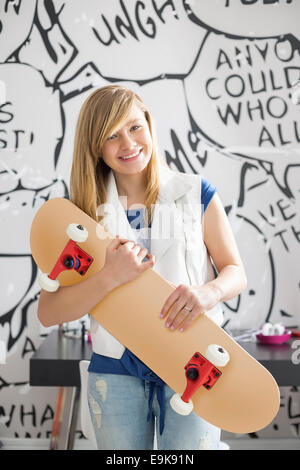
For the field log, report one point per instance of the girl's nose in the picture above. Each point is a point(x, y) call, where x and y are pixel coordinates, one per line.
point(127, 141)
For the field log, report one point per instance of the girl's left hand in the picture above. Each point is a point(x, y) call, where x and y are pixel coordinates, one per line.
point(188, 303)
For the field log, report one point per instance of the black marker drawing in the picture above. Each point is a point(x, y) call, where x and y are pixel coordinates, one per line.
point(225, 98)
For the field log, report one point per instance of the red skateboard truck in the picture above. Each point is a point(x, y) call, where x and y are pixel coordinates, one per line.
point(200, 371)
point(72, 257)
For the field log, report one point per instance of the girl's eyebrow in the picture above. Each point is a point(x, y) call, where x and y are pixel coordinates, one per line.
point(129, 123)
point(133, 120)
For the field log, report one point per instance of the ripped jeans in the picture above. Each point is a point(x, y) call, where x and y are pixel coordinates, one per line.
point(119, 409)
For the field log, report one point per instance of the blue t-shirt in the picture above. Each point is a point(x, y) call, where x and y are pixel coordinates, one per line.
point(129, 364)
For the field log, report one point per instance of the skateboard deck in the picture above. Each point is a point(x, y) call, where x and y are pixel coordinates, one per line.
point(244, 399)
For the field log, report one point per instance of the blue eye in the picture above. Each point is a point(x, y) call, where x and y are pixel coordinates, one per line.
point(111, 137)
point(135, 127)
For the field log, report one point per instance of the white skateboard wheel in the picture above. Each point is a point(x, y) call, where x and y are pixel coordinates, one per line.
point(180, 406)
point(77, 233)
point(217, 355)
point(267, 329)
point(50, 285)
point(278, 329)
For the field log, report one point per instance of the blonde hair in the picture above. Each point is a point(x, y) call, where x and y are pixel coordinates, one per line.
point(103, 111)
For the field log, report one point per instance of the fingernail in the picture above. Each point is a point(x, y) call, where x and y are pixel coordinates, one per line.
point(161, 315)
point(172, 327)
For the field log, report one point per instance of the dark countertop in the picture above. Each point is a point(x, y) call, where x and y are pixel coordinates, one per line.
point(55, 363)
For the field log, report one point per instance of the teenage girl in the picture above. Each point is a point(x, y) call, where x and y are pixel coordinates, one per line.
point(116, 167)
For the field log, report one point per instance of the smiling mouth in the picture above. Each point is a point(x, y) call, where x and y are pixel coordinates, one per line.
point(132, 156)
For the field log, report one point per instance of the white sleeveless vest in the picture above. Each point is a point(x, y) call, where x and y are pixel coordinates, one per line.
point(176, 241)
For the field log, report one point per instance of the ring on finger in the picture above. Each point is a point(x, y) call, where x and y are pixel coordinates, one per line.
point(130, 245)
point(188, 309)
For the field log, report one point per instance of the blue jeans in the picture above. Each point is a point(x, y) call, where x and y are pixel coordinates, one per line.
point(119, 407)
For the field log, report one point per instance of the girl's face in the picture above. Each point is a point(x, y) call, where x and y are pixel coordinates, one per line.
point(129, 149)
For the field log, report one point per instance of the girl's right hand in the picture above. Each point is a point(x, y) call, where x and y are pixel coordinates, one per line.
point(124, 260)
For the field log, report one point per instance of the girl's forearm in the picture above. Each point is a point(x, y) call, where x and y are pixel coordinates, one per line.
point(229, 283)
point(72, 302)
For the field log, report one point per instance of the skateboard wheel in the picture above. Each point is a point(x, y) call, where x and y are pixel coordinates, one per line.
point(50, 285)
point(77, 233)
point(180, 406)
point(217, 355)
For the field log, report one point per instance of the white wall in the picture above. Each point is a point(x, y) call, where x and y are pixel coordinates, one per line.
point(221, 78)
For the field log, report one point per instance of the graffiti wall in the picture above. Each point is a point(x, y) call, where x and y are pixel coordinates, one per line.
point(222, 80)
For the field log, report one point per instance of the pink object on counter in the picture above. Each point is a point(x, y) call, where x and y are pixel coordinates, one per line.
point(274, 339)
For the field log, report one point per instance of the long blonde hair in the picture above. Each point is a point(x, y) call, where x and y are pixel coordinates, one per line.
point(102, 112)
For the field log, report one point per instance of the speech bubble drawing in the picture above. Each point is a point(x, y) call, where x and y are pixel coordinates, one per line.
point(30, 128)
point(50, 55)
point(266, 227)
point(47, 49)
point(256, 301)
point(15, 283)
point(15, 24)
point(240, 97)
point(17, 209)
point(150, 37)
point(246, 18)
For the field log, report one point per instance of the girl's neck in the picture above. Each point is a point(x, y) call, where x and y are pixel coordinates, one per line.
point(131, 186)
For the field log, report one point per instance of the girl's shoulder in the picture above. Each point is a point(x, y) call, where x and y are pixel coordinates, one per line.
point(187, 177)
point(167, 172)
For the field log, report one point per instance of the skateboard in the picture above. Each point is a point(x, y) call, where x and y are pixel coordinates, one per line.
point(209, 372)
